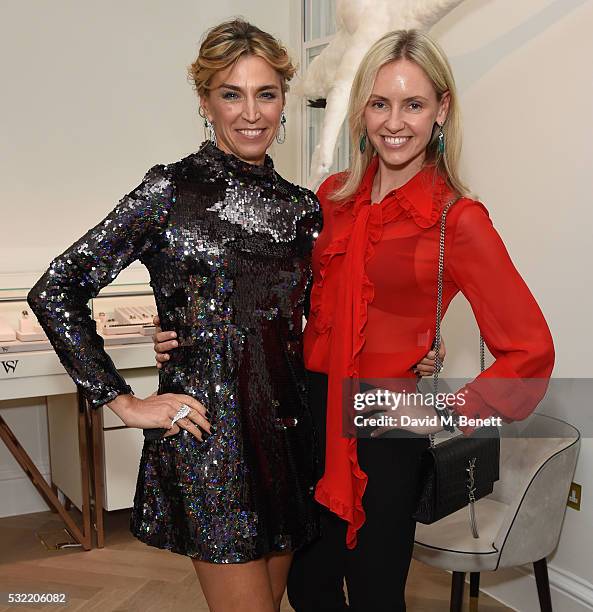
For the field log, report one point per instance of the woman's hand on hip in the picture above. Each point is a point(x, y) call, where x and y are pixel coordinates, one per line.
point(157, 411)
point(164, 341)
point(427, 365)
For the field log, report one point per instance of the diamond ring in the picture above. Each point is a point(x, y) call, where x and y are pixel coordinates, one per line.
point(183, 411)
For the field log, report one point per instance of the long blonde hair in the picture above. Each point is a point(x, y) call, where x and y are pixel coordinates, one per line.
point(417, 47)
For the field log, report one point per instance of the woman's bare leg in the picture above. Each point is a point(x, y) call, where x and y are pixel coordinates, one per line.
point(278, 566)
point(236, 587)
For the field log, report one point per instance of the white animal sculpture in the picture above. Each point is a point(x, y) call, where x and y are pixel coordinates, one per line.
point(360, 23)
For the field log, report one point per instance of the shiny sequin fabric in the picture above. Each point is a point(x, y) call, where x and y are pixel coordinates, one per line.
point(227, 245)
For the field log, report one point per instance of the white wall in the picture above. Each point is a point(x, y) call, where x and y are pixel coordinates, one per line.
point(95, 93)
point(524, 73)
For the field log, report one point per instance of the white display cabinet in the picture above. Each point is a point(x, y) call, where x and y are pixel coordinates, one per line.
point(94, 457)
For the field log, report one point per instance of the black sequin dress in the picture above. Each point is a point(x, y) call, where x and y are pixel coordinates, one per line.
point(227, 245)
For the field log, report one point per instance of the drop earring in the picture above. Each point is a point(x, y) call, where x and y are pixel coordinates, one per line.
point(362, 144)
point(441, 146)
point(209, 133)
point(281, 133)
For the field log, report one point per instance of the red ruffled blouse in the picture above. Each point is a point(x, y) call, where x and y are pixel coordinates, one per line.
point(373, 310)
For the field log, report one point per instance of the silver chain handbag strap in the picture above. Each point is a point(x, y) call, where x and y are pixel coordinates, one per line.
point(439, 309)
point(438, 364)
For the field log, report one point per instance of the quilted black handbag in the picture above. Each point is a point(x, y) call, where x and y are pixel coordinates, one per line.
point(462, 469)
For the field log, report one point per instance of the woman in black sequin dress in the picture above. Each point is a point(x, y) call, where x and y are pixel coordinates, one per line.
point(227, 243)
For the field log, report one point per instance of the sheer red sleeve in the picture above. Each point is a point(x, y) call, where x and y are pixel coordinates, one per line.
point(511, 322)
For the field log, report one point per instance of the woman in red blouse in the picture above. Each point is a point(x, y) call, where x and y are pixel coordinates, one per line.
point(372, 315)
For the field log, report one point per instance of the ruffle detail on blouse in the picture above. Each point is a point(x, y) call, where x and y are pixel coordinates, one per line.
point(322, 319)
point(352, 513)
point(367, 293)
point(423, 198)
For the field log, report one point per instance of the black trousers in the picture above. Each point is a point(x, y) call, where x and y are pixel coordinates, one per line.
point(377, 568)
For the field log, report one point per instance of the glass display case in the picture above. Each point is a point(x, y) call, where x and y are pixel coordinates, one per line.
point(123, 313)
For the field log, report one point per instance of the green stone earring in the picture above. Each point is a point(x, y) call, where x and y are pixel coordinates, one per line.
point(362, 145)
point(441, 140)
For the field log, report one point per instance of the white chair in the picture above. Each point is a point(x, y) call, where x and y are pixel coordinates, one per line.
point(520, 521)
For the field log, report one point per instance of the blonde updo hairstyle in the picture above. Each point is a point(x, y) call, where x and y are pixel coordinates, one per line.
point(417, 47)
point(225, 43)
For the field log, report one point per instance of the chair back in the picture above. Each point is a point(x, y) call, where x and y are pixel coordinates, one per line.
point(537, 461)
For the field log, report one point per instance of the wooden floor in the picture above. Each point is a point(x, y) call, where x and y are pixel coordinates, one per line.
point(128, 576)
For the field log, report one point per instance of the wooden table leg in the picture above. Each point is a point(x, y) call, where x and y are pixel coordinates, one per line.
point(39, 482)
point(55, 490)
point(98, 478)
point(85, 468)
